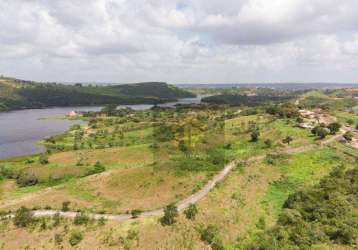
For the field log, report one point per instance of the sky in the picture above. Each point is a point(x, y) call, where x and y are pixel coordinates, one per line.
point(180, 41)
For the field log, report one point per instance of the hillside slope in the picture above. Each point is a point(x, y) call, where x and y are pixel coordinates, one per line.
point(20, 94)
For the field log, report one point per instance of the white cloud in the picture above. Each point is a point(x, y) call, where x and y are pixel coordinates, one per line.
point(180, 40)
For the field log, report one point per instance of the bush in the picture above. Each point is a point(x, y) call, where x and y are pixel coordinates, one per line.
point(26, 179)
point(132, 234)
point(287, 140)
point(320, 131)
point(75, 238)
point(97, 168)
point(334, 127)
point(81, 219)
point(135, 213)
point(268, 143)
point(43, 159)
point(102, 221)
point(65, 206)
point(170, 214)
point(350, 121)
point(191, 212)
point(58, 239)
point(348, 136)
point(56, 219)
point(43, 225)
point(210, 236)
point(23, 217)
point(255, 135)
point(6, 172)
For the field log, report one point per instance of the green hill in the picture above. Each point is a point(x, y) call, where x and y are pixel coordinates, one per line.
point(20, 94)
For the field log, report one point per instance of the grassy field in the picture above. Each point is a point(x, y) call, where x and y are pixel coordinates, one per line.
point(302, 169)
point(150, 159)
point(237, 206)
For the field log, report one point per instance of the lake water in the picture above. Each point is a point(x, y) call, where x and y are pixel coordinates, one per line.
point(19, 130)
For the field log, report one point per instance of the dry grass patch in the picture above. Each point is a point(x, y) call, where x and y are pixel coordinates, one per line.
point(235, 204)
point(121, 156)
point(138, 188)
point(116, 191)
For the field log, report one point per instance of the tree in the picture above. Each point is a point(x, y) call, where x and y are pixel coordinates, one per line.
point(322, 132)
point(23, 217)
point(334, 127)
point(182, 146)
point(170, 213)
point(287, 140)
point(191, 212)
point(255, 135)
point(109, 109)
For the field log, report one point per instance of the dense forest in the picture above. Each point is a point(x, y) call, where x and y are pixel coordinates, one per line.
point(246, 100)
point(19, 94)
point(324, 214)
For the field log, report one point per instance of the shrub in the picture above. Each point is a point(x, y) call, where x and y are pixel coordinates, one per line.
point(348, 136)
point(170, 214)
point(43, 225)
point(350, 121)
point(65, 206)
point(29, 161)
point(255, 135)
point(81, 219)
point(210, 236)
point(268, 143)
point(334, 127)
point(275, 158)
point(97, 168)
point(287, 140)
point(75, 238)
point(261, 224)
point(132, 234)
point(320, 131)
point(6, 172)
point(26, 179)
point(43, 159)
point(191, 212)
point(23, 217)
point(135, 213)
point(299, 119)
point(101, 221)
point(56, 219)
point(58, 239)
